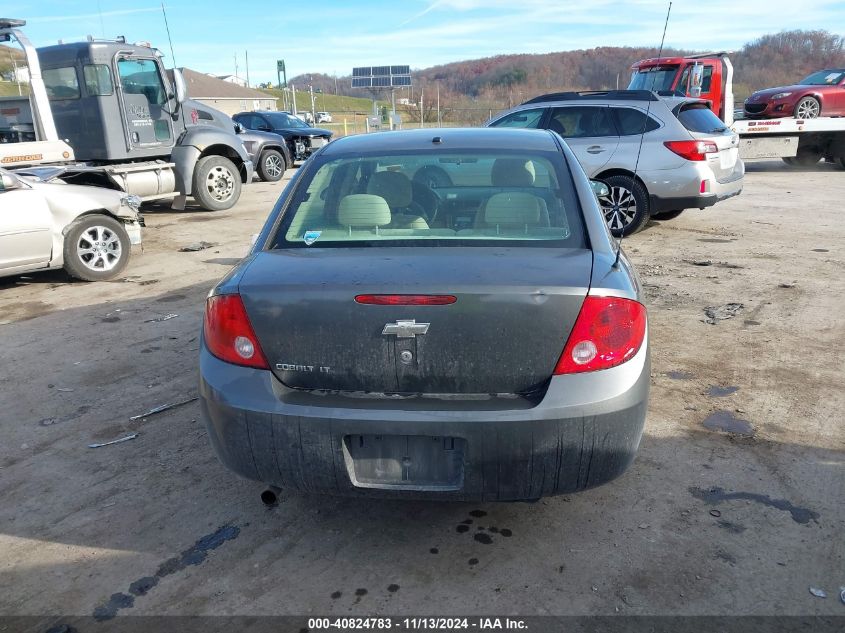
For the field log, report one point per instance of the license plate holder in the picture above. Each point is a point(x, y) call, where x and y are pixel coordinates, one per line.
point(409, 462)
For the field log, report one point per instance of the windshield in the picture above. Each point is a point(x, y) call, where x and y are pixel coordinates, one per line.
point(281, 120)
point(824, 78)
point(655, 78)
point(462, 198)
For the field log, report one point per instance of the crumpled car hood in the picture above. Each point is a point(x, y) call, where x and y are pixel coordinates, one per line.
point(74, 200)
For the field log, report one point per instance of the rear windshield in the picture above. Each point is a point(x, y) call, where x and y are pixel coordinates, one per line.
point(458, 198)
point(698, 117)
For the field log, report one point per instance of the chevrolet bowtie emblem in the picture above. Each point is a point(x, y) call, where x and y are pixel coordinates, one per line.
point(405, 329)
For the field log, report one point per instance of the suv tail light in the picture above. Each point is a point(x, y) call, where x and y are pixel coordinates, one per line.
point(608, 331)
point(692, 150)
point(229, 334)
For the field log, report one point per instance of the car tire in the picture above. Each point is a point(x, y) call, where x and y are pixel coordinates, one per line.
point(216, 183)
point(807, 108)
point(626, 209)
point(96, 248)
point(271, 165)
point(667, 215)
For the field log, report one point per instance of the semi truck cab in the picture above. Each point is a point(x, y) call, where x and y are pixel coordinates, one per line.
point(127, 122)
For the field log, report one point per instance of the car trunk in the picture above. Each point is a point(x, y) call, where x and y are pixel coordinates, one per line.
point(513, 312)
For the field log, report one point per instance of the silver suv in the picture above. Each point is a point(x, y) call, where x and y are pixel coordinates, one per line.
point(689, 158)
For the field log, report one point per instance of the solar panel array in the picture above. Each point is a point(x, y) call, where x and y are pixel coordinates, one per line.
point(381, 76)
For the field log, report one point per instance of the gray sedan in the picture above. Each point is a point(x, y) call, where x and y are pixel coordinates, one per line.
point(481, 340)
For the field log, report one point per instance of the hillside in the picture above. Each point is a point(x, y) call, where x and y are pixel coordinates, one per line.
point(470, 89)
point(325, 102)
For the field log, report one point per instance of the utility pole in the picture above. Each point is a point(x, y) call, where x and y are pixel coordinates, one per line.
point(246, 56)
point(313, 111)
point(439, 120)
point(422, 110)
point(236, 64)
point(293, 98)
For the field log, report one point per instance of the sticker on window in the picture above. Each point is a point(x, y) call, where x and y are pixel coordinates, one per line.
point(311, 236)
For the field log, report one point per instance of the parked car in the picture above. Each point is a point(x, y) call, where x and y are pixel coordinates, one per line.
point(306, 116)
point(301, 138)
point(88, 231)
point(269, 152)
point(820, 94)
point(324, 117)
point(683, 155)
point(479, 341)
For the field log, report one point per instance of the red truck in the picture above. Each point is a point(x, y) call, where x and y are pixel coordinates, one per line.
point(710, 76)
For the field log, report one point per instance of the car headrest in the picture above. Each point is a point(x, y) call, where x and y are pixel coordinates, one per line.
point(512, 172)
point(557, 126)
point(515, 208)
point(393, 186)
point(363, 209)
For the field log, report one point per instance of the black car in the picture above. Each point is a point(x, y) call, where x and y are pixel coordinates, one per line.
point(302, 139)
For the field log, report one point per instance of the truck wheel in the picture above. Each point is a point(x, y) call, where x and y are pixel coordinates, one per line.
point(271, 165)
point(625, 209)
point(217, 183)
point(96, 247)
point(667, 215)
point(804, 158)
point(807, 108)
point(841, 162)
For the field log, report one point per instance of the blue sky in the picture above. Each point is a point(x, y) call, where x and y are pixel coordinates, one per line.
point(332, 36)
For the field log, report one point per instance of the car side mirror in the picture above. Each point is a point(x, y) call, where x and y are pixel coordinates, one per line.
point(181, 87)
point(239, 128)
point(599, 188)
point(9, 182)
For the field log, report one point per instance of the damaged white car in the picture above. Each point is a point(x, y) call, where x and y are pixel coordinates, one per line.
point(47, 224)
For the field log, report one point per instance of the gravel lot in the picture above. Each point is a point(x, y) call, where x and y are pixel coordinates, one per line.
point(733, 506)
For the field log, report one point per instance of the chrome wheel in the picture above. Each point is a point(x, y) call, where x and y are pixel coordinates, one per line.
point(220, 183)
point(619, 208)
point(807, 108)
point(274, 165)
point(99, 249)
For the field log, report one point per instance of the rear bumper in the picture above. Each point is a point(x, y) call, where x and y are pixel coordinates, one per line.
point(583, 433)
point(688, 196)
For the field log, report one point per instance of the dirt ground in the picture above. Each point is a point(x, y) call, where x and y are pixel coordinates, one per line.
point(733, 506)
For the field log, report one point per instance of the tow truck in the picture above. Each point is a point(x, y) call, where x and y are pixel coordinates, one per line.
point(107, 113)
point(710, 76)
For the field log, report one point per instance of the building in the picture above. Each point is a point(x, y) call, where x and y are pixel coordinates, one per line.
point(233, 79)
point(225, 96)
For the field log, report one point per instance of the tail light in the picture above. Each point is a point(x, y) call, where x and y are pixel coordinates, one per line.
point(608, 331)
point(405, 300)
point(692, 150)
point(229, 334)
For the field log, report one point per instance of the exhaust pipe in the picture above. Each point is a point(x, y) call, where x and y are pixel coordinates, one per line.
point(270, 497)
